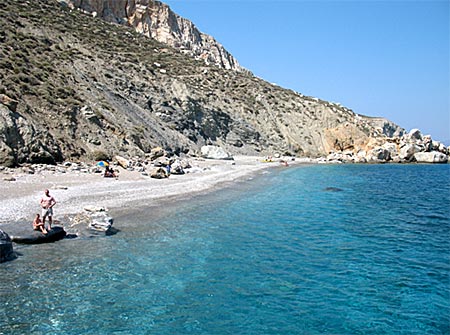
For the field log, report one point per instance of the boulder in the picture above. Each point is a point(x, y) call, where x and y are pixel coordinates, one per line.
point(155, 153)
point(101, 222)
point(392, 148)
point(185, 164)
point(408, 150)
point(215, 152)
point(123, 162)
point(90, 224)
point(430, 157)
point(162, 161)
point(379, 154)
point(159, 173)
point(30, 236)
point(415, 134)
point(176, 167)
point(6, 247)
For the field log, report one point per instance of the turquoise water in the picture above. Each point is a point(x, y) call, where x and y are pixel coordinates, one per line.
point(279, 254)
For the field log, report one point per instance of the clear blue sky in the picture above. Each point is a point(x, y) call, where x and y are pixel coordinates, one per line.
point(379, 58)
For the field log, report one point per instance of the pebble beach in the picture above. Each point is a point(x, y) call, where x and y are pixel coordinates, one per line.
point(74, 190)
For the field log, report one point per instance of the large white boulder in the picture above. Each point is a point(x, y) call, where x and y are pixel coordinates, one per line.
point(378, 154)
point(215, 152)
point(415, 134)
point(408, 151)
point(431, 157)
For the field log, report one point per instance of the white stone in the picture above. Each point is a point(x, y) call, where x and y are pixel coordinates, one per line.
point(378, 154)
point(431, 157)
point(415, 134)
point(408, 151)
point(214, 152)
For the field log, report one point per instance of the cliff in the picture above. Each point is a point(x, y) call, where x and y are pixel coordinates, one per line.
point(74, 87)
point(156, 20)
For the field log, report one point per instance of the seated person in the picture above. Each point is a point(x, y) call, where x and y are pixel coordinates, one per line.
point(38, 225)
point(109, 172)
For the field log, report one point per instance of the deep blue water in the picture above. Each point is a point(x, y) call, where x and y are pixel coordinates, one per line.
point(278, 254)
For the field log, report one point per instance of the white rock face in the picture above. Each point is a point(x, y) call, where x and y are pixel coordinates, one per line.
point(156, 20)
point(378, 155)
point(408, 151)
point(415, 134)
point(431, 157)
point(215, 152)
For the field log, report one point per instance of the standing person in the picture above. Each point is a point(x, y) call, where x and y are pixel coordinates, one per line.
point(47, 202)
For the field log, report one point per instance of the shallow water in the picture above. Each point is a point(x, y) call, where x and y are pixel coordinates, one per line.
point(280, 254)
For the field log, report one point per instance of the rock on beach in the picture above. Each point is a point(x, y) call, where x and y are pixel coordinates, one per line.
point(6, 248)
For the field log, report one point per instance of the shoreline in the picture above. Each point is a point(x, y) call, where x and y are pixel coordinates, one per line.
point(75, 190)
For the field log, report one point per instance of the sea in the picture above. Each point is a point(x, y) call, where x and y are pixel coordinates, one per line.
point(311, 249)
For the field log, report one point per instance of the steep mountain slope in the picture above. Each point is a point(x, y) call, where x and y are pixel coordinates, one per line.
point(156, 20)
point(77, 87)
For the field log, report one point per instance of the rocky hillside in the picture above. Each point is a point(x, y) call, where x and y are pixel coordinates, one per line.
point(74, 87)
point(156, 20)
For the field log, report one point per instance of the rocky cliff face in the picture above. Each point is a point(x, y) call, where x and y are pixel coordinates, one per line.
point(156, 20)
point(73, 87)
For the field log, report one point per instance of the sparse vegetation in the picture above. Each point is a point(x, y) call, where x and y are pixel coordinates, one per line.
point(54, 61)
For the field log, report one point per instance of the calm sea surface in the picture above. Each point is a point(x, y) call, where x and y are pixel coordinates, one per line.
point(279, 254)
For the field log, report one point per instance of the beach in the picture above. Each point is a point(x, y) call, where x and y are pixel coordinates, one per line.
point(74, 190)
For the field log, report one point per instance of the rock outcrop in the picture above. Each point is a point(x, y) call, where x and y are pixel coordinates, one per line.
point(94, 221)
point(408, 148)
point(156, 20)
point(26, 235)
point(430, 157)
point(6, 248)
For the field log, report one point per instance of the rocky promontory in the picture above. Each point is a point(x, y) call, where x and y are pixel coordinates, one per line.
point(412, 147)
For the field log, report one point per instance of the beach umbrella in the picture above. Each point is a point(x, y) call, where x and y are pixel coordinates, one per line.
point(102, 163)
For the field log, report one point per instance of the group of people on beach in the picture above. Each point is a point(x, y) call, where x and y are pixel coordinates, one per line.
point(109, 173)
point(47, 202)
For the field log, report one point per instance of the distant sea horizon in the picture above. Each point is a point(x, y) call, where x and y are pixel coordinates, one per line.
point(311, 249)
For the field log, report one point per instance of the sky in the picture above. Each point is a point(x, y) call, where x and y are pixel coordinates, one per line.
point(378, 58)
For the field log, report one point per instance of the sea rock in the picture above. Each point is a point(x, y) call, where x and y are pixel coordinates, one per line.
point(430, 157)
point(6, 247)
point(91, 224)
point(215, 152)
point(101, 222)
point(379, 154)
point(26, 235)
point(407, 151)
point(333, 189)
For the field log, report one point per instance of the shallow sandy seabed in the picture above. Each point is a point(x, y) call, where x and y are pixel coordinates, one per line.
point(19, 199)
